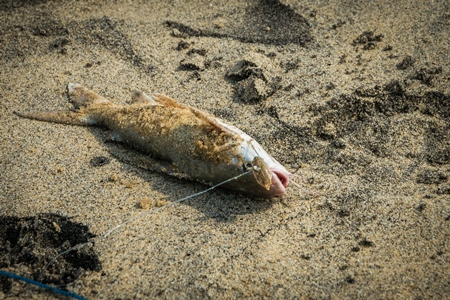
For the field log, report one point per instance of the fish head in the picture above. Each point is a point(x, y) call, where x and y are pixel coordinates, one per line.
point(273, 180)
point(266, 176)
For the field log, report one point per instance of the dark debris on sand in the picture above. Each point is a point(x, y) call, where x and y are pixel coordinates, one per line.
point(30, 243)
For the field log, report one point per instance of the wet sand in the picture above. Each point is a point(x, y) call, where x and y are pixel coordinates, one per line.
point(354, 96)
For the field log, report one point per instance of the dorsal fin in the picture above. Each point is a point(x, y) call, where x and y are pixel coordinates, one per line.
point(140, 97)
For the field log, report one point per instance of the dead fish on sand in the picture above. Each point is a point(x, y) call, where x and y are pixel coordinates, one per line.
point(185, 140)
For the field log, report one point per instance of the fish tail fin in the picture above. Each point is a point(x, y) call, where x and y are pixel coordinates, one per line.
point(85, 102)
point(82, 97)
point(60, 116)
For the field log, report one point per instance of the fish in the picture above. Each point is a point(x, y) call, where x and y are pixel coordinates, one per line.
point(178, 140)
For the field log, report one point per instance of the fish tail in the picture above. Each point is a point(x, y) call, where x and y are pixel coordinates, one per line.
point(82, 97)
point(85, 102)
point(60, 116)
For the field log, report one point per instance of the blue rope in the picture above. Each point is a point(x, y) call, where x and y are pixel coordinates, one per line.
point(42, 285)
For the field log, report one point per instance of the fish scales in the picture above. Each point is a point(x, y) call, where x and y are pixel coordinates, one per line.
point(171, 134)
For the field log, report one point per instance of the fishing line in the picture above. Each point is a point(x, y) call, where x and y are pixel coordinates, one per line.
point(139, 216)
point(305, 189)
point(41, 285)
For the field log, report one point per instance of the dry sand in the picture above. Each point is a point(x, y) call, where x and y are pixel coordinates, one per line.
point(356, 95)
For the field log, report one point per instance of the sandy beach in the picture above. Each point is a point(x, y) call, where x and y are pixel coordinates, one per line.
point(353, 95)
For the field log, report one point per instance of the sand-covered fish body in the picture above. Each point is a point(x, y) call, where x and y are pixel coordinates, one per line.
point(183, 139)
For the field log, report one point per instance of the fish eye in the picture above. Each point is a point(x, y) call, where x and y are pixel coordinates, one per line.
point(246, 167)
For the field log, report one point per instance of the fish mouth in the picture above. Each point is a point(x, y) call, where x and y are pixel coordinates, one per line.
point(280, 181)
point(281, 177)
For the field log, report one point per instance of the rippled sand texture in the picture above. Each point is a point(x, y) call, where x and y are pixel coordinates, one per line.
point(355, 96)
